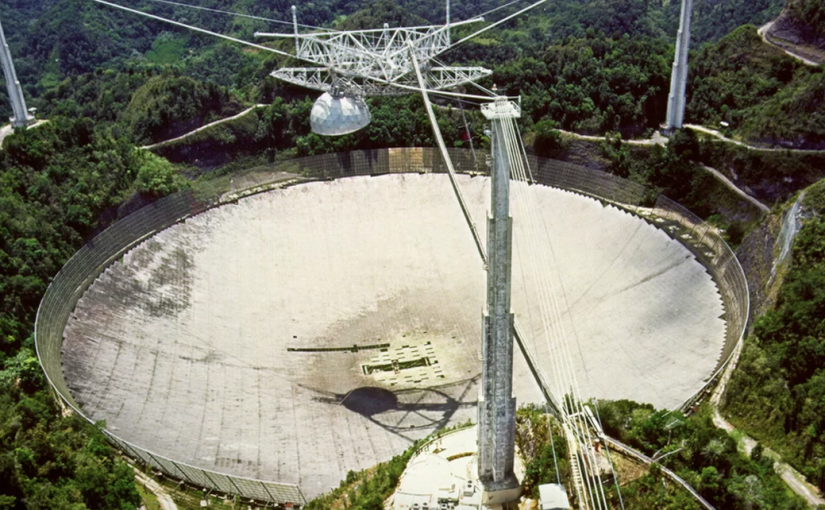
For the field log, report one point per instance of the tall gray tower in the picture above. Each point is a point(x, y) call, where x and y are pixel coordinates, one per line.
point(678, 80)
point(497, 406)
point(18, 102)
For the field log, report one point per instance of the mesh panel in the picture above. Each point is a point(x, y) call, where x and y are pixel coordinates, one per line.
point(168, 467)
point(146, 458)
point(257, 488)
point(223, 483)
point(587, 181)
point(79, 272)
point(712, 251)
point(283, 492)
point(195, 476)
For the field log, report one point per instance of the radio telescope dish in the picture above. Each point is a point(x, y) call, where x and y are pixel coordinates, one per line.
point(336, 115)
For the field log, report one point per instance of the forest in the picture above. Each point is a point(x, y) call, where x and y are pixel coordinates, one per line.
point(778, 391)
point(592, 67)
point(58, 184)
point(810, 14)
point(109, 83)
point(762, 93)
point(694, 448)
point(72, 37)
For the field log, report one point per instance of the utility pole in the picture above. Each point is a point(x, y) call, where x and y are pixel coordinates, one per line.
point(497, 406)
point(678, 80)
point(18, 102)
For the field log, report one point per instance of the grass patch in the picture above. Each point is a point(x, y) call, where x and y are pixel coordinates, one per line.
point(150, 501)
point(168, 48)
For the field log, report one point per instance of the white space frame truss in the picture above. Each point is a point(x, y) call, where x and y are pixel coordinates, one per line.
point(322, 79)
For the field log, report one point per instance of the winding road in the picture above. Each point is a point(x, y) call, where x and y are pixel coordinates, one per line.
point(765, 29)
point(792, 478)
point(166, 502)
point(727, 182)
point(720, 136)
point(206, 126)
point(658, 139)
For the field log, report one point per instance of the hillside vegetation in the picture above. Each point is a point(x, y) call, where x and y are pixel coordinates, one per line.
point(56, 183)
point(765, 95)
point(794, 117)
point(770, 176)
point(777, 392)
point(593, 85)
point(809, 14)
point(168, 105)
point(697, 451)
point(594, 67)
point(55, 39)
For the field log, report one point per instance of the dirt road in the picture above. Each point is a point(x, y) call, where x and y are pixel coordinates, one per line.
point(207, 126)
point(164, 498)
point(793, 478)
point(765, 29)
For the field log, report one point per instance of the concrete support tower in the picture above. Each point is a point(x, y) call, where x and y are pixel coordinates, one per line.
point(497, 406)
point(18, 102)
point(678, 80)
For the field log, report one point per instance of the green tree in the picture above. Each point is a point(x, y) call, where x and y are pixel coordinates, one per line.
point(157, 177)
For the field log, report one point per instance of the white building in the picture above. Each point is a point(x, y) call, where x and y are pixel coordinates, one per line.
point(553, 497)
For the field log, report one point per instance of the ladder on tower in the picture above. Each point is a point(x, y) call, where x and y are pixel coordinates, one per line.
point(575, 472)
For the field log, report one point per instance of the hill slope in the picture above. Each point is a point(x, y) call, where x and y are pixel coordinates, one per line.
point(777, 392)
point(55, 39)
point(765, 95)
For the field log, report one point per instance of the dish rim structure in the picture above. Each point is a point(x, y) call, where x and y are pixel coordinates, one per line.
point(81, 270)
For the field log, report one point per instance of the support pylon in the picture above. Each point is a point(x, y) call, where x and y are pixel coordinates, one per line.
point(678, 81)
point(18, 102)
point(497, 406)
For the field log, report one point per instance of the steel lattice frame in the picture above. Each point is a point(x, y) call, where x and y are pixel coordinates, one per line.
point(374, 62)
point(325, 80)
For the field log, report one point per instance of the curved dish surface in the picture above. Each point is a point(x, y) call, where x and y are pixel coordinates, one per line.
point(227, 341)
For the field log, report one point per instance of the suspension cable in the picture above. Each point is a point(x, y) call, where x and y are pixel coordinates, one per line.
point(196, 29)
point(240, 15)
point(572, 403)
point(469, 135)
point(553, 447)
point(443, 147)
point(607, 452)
point(491, 26)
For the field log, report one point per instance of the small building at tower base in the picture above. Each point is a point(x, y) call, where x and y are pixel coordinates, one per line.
point(553, 496)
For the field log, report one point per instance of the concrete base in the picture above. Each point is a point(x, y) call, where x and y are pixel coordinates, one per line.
point(28, 121)
point(445, 470)
point(501, 493)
